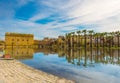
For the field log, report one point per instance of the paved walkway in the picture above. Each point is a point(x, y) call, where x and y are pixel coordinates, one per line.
point(13, 71)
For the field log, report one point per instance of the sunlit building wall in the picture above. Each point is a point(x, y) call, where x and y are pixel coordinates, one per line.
point(18, 39)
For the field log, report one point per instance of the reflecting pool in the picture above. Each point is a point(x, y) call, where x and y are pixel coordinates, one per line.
point(80, 65)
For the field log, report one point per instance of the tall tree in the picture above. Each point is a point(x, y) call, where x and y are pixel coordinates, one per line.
point(71, 39)
point(85, 33)
point(105, 33)
point(112, 36)
point(67, 40)
point(73, 35)
point(78, 32)
point(96, 39)
point(118, 39)
point(91, 34)
point(103, 38)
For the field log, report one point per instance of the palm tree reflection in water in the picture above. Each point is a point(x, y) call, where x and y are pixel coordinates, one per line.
point(89, 57)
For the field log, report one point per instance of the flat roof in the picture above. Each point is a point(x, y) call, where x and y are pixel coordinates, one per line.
point(18, 34)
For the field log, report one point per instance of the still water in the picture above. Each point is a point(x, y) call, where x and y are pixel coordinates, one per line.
point(81, 65)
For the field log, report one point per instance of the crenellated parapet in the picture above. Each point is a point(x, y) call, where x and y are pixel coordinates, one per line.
point(18, 34)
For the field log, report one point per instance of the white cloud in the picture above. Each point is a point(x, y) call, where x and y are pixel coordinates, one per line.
point(97, 12)
point(99, 15)
point(23, 2)
point(21, 26)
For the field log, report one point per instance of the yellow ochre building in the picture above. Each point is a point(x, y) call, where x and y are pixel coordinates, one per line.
point(19, 39)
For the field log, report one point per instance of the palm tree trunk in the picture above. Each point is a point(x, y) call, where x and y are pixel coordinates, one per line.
point(71, 42)
point(85, 40)
point(103, 41)
point(97, 41)
point(118, 41)
point(91, 41)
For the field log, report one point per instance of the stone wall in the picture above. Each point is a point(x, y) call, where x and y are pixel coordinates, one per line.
point(18, 39)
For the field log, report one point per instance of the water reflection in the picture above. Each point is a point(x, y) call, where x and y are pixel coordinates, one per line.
point(81, 65)
point(84, 57)
point(87, 57)
point(20, 53)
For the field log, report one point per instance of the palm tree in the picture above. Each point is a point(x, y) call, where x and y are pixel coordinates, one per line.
point(100, 34)
point(71, 39)
point(103, 38)
point(76, 39)
point(78, 32)
point(105, 33)
point(109, 41)
point(112, 34)
point(96, 39)
point(73, 33)
point(67, 39)
point(118, 39)
point(84, 32)
point(91, 34)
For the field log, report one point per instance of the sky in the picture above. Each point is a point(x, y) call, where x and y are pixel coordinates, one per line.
point(51, 18)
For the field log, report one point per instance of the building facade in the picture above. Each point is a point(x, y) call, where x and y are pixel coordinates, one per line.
point(18, 39)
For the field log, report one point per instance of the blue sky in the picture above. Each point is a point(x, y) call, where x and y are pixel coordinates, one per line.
point(51, 18)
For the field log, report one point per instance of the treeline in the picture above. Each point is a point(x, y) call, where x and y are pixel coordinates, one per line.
point(89, 38)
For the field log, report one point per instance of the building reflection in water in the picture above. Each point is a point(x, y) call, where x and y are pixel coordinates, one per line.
point(80, 57)
point(20, 53)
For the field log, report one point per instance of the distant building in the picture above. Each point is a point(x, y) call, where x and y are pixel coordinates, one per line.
point(46, 39)
point(2, 43)
point(18, 39)
point(61, 39)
